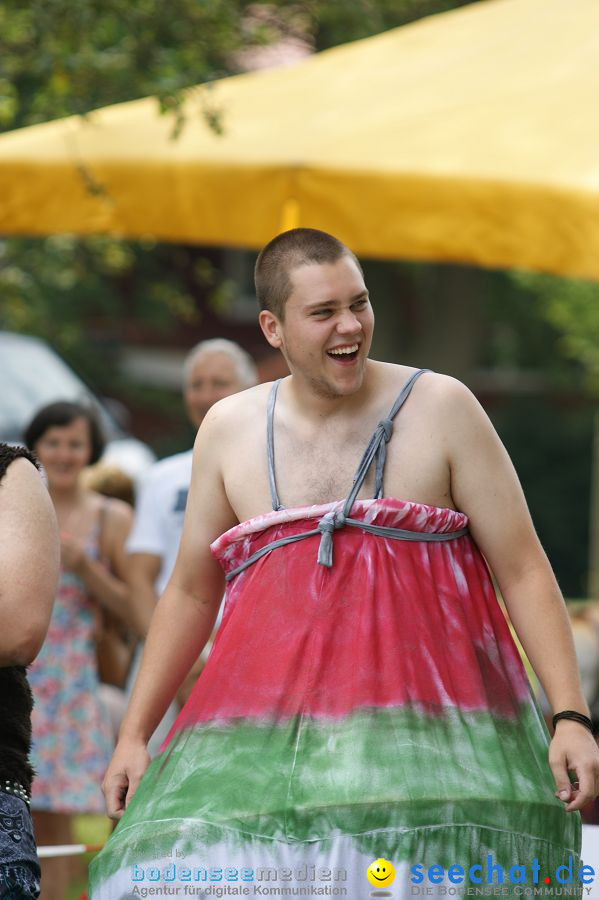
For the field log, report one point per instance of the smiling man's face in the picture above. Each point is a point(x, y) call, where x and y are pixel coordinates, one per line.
point(326, 334)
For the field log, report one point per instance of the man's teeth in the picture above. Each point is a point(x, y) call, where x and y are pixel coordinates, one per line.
point(342, 351)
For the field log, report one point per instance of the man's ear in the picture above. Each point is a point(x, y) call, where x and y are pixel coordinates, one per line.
point(271, 328)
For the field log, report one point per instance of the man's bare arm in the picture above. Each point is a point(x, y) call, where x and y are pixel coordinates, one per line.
point(485, 486)
point(29, 563)
point(183, 619)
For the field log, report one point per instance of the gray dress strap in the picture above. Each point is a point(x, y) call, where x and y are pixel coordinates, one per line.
point(378, 446)
point(270, 444)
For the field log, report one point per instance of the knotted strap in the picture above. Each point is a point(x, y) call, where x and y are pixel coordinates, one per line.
point(377, 447)
point(386, 425)
point(327, 525)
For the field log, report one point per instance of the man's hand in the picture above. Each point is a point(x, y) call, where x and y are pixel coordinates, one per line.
point(573, 749)
point(128, 764)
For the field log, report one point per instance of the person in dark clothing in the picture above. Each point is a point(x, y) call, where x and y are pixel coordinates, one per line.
point(29, 559)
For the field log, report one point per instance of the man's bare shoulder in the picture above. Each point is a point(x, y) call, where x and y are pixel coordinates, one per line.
point(234, 422)
point(444, 389)
point(451, 406)
point(237, 409)
point(434, 388)
point(443, 410)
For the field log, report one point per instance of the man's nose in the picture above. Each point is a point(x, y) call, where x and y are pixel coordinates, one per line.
point(348, 322)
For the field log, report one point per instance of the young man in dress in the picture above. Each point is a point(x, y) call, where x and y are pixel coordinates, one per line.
point(367, 624)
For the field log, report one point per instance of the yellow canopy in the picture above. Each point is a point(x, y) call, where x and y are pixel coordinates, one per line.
point(470, 136)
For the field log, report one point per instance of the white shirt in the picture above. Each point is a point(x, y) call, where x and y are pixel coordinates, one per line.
point(159, 513)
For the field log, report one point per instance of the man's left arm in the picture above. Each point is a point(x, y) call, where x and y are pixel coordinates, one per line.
point(484, 485)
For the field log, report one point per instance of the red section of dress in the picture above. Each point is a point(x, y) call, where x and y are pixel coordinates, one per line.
point(416, 624)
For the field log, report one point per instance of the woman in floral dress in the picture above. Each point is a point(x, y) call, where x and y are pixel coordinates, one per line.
point(72, 740)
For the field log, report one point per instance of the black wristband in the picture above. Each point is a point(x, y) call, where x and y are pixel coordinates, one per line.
point(574, 717)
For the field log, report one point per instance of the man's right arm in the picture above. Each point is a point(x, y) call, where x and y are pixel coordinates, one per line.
point(183, 619)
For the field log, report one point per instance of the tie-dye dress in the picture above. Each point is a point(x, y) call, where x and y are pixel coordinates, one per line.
point(363, 699)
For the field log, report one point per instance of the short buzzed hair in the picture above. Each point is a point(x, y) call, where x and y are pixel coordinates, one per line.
point(287, 251)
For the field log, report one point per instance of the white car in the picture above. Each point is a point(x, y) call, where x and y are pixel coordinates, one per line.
point(32, 375)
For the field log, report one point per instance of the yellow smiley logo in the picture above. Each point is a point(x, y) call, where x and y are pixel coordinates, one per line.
point(380, 873)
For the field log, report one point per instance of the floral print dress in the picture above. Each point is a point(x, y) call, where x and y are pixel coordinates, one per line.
point(72, 742)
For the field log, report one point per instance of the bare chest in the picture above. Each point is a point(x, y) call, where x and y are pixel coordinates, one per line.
point(320, 468)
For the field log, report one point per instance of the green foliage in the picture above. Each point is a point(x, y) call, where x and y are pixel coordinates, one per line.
point(548, 438)
point(59, 58)
point(571, 307)
point(522, 333)
point(67, 289)
point(335, 22)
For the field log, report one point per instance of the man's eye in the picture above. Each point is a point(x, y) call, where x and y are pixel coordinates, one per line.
point(360, 304)
point(322, 312)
